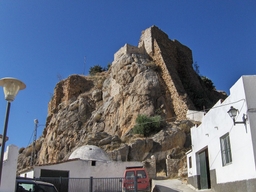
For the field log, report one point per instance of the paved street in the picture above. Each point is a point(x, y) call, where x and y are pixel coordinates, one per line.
point(172, 185)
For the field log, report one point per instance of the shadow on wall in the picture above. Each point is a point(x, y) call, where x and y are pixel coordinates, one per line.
point(159, 188)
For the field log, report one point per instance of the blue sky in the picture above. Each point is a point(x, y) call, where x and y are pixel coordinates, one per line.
point(45, 40)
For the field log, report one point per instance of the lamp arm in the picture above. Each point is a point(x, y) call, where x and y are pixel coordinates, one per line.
point(241, 122)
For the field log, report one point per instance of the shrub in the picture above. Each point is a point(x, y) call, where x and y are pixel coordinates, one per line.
point(97, 117)
point(147, 125)
point(96, 69)
point(208, 83)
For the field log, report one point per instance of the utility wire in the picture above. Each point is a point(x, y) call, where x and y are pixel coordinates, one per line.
point(169, 119)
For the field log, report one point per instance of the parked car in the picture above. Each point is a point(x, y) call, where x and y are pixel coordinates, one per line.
point(143, 181)
point(31, 185)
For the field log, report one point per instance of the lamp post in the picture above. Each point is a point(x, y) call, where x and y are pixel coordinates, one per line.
point(11, 88)
point(233, 113)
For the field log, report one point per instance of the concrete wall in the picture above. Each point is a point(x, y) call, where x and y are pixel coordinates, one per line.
point(217, 123)
point(195, 115)
point(9, 169)
point(250, 94)
point(28, 174)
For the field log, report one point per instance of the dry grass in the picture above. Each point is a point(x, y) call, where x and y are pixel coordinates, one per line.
point(97, 117)
point(161, 174)
point(99, 83)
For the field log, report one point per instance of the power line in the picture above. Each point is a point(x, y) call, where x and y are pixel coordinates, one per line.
point(84, 65)
point(34, 143)
point(172, 118)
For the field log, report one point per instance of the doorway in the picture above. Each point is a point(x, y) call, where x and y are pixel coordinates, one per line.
point(57, 177)
point(204, 170)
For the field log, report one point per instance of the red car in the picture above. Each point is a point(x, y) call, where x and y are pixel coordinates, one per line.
point(143, 181)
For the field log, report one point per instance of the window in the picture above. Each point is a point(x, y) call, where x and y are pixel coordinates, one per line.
point(190, 162)
point(25, 187)
point(129, 175)
point(93, 163)
point(141, 174)
point(225, 149)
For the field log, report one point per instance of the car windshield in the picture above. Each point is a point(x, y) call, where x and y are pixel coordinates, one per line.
point(31, 187)
point(23, 187)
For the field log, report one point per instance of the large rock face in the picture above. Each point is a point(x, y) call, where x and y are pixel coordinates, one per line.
point(155, 78)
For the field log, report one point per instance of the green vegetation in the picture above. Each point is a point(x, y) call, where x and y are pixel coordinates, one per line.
point(208, 83)
point(147, 125)
point(97, 117)
point(96, 69)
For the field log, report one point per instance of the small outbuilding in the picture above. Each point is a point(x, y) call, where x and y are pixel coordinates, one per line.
point(85, 162)
point(87, 168)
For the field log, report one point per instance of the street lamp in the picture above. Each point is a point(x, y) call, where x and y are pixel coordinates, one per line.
point(233, 113)
point(11, 88)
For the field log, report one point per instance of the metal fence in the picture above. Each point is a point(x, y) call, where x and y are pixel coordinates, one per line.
point(91, 184)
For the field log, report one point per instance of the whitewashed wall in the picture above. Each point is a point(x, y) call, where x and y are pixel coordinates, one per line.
point(28, 174)
point(84, 169)
point(195, 115)
point(9, 169)
point(217, 123)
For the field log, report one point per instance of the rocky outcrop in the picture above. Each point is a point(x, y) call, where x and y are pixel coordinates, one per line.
point(155, 78)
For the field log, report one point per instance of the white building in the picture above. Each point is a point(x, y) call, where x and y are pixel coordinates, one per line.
point(223, 154)
point(9, 169)
point(85, 162)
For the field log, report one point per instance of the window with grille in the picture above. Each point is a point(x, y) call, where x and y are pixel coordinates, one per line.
point(225, 149)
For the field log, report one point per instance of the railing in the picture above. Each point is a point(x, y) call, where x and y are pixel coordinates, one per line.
point(64, 184)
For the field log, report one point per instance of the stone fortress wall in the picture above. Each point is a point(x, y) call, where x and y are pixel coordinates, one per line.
point(128, 49)
point(155, 43)
point(163, 51)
